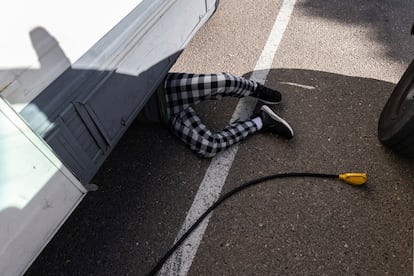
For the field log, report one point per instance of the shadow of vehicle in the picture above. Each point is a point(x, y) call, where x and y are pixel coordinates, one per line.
point(127, 224)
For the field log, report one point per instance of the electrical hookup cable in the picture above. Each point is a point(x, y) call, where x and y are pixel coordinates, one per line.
point(355, 179)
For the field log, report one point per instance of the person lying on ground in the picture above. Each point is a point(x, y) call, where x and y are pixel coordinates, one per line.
point(171, 105)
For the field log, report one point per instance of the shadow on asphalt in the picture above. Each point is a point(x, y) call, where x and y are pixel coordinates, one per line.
point(382, 20)
point(148, 182)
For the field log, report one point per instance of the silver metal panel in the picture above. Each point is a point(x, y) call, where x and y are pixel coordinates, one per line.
point(37, 193)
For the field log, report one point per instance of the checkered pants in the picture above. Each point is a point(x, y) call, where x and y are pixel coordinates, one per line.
point(183, 90)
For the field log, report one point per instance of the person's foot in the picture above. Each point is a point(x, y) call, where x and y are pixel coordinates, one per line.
point(273, 123)
point(267, 95)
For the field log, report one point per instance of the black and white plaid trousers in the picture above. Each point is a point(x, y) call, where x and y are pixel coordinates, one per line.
point(183, 90)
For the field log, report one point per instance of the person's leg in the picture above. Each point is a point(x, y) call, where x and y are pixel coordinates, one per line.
point(189, 128)
point(184, 89)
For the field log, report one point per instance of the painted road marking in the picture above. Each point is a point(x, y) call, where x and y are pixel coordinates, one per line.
point(216, 174)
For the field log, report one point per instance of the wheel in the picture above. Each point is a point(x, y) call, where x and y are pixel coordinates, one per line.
point(396, 123)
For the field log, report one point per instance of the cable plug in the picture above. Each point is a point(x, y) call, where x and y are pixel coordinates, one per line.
point(355, 179)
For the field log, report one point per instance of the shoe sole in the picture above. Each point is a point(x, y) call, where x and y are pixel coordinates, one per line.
point(276, 117)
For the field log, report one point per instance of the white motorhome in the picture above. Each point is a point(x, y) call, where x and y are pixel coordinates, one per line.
point(73, 76)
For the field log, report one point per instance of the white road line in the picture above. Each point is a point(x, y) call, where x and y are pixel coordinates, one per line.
point(215, 177)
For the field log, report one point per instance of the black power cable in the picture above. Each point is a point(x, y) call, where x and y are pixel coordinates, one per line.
point(350, 178)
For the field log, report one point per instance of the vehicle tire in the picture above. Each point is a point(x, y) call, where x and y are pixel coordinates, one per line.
point(396, 123)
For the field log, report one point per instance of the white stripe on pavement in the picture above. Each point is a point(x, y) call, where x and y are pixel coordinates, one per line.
point(216, 174)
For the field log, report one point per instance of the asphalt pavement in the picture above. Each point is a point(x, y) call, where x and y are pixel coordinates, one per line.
point(337, 64)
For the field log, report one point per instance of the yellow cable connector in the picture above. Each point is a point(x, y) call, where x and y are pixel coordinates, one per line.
point(355, 179)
